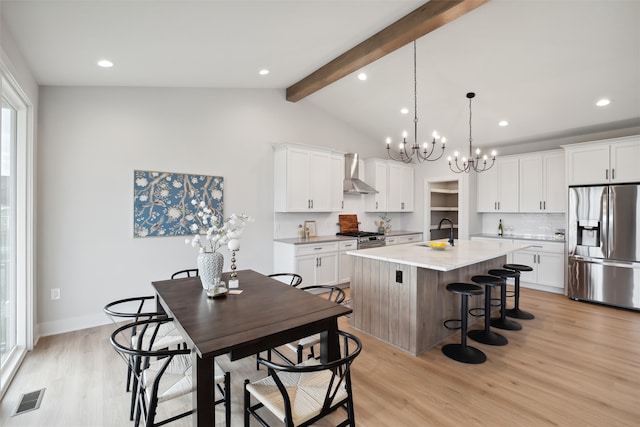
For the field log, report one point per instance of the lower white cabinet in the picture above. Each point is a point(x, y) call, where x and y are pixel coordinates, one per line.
point(317, 263)
point(400, 240)
point(547, 261)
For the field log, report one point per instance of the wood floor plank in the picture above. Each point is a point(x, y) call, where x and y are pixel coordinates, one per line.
point(575, 364)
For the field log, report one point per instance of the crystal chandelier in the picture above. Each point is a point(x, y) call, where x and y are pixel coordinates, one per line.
point(469, 164)
point(421, 154)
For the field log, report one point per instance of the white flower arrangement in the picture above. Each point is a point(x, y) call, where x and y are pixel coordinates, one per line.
point(214, 236)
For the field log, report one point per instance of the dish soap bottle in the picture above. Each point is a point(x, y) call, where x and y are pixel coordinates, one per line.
point(500, 228)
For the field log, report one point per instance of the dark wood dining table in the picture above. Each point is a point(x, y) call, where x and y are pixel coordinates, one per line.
point(266, 314)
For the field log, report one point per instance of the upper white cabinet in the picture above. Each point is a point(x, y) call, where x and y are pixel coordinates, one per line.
point(498, 187)
point(400, 187)
point(542, 188)
point(602, 162)
point(337, 182)
point(302, 179)
point(394, 183)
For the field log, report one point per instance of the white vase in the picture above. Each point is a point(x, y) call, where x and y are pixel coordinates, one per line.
point(210, 269)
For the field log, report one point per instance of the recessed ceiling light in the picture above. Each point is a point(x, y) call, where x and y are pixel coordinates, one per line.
point(404, 111)
point(603, 102)
point(362, 76)
point(503, 123)
point(105, 63)
point(264, 72)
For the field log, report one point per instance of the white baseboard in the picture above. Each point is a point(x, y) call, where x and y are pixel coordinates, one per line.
point(70, 325)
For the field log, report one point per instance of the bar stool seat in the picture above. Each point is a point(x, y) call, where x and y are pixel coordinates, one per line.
point(515, 312)
point(486, 335)
point(462, 352)
point(502, 322)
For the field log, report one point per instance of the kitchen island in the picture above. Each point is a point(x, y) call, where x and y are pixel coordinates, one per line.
point(398, 293)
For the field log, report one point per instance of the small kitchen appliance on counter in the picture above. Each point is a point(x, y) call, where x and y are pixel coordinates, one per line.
point(349, 226)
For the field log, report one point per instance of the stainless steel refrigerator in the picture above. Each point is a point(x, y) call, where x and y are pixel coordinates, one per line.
point(604, 245)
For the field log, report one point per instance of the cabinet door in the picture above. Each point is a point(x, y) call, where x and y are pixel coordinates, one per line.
point(319, 176)
point(625, 157)
point(337, 182)
point(400, 188)
point(297, 180)
point(327, 269)
point(376, 176)
point(551, 269)
point(529, 258)
point(508, 185)
point(306, 267)
point(531, 177)
point(588, 165)
point(553, 177)
point(344, 271)
point(407, 186)
point(487, 190)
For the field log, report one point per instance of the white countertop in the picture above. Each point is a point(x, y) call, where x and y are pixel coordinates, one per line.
point(464, 253)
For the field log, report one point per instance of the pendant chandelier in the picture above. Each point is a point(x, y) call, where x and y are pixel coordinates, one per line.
point(421, 154)
point(467, 164)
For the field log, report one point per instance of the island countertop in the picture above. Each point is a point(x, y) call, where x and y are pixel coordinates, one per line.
point(464, 253)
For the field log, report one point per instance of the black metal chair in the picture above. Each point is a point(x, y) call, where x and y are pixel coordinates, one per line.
point(191, 272)
point(162, 374)
point(515, 312)
point(463, 352)
point(502, 322)
point(486, 335)
point(301, 395)
point(292, 279)
point(334, 294)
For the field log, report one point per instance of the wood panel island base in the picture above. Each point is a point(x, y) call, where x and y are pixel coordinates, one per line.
point(398, 293)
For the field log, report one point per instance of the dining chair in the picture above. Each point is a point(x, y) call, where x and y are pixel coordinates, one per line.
point(301, 395)
point(292, 279)
point(163, 374)
point(191, 272)
point(333, 293)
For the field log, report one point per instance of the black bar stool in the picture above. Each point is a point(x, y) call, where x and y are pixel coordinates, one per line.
point(486, 335)
point(502, 322)
point(462, 352)
point(515, 311)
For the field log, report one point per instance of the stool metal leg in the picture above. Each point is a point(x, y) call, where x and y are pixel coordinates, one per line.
point(486, 335)
point(462, 352)
point(516, 312)
point(502, 322)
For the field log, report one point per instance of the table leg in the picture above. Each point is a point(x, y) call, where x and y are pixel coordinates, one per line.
point(329, 342)
point(203, 398)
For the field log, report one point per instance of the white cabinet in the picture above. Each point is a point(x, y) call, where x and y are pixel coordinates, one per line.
point(344, 270)
point(497, 189)
point(395, 184)
point(400, 188)
point(602, 162)
point(317, 263)
point(547, 261)
point(542, 188)
point(406, 238)
point(376, 176)
point(337, 182)
point(302, 180)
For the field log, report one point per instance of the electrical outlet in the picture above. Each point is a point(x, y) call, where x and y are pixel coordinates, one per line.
point(398, 276)
point(55, 293)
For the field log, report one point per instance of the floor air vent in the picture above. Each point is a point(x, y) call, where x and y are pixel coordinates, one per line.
point(29, 401)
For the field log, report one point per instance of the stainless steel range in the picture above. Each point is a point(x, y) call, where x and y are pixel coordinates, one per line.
point(366, 239)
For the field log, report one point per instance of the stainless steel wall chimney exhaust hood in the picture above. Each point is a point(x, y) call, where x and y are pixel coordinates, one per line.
point(352, 184)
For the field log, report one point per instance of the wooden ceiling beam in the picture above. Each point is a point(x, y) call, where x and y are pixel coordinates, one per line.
point(428, 17)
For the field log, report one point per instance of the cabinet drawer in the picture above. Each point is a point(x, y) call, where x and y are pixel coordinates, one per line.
point(551, 247)
point(319, 248)
point(350, 245)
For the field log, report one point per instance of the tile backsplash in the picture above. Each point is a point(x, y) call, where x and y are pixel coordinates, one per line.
point(524, 224)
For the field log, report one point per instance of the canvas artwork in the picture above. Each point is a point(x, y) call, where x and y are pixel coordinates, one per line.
point(163, 201)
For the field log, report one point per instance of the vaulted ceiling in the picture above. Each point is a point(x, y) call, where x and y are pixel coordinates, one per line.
point(540, 65)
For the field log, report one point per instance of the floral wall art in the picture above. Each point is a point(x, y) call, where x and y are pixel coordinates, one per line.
point(162, 201)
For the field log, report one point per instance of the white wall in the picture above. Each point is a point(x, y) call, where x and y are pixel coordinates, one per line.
point(92, 139)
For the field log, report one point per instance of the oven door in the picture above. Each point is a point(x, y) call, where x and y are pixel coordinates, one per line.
point(370, 244)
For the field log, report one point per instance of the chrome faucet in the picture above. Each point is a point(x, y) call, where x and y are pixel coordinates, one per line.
point(451, 233)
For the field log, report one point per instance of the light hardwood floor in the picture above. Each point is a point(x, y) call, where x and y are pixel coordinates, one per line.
point(575, 364)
